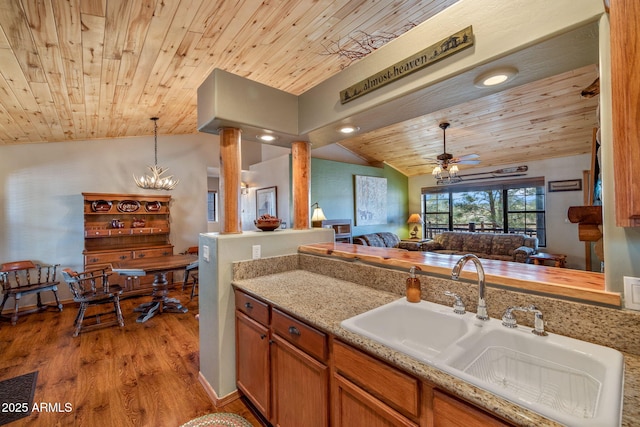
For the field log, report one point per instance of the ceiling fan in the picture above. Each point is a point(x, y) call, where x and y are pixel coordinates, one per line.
point(444, 160)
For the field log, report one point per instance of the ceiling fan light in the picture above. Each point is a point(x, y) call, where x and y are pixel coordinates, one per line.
point(454, 170)
point(437, 172)
point(495, 77)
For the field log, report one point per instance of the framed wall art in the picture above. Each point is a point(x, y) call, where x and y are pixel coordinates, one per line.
point(266, 202)
point(371, 200)
point(566, 185)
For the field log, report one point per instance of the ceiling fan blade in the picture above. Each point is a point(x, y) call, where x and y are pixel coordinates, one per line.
point(466, 162)
point(468, 157)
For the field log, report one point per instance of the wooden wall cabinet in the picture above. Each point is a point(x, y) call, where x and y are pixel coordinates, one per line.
point(625, 86)
point(119, 227)
point(290, 371)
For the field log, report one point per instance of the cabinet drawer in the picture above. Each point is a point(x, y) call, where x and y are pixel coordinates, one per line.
point(252, 307)
point(304, 337)
point(152, 253)
point(399, 390)
point(106, 257)
point(96, 232)
point(144, 230)
point(119, 232)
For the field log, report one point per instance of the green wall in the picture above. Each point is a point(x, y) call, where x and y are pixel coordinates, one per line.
point(332, 185)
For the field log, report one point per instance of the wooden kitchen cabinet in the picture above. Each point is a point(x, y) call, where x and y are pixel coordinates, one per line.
point(120, 227)
point(252, 362)
point(449, 411)
point(300, 386)
point(280, 365)
point(625, 87)
point(297, 375)
point(353, 406)
point(368, 392)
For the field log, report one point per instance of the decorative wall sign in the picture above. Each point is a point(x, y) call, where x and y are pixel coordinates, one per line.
point(371, 200)
point(266, 202)
point(566, 185)
point(434, 53)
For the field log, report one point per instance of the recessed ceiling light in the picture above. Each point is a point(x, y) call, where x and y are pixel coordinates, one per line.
point(266, 137)
point(348, 129)
point(495, 77)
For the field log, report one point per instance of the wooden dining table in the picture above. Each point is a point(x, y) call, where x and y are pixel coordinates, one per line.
point(158, 266)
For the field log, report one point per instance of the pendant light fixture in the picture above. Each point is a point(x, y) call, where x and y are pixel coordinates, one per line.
point(156, 181)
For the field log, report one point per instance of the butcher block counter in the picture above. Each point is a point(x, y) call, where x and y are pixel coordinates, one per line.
point(574, 284)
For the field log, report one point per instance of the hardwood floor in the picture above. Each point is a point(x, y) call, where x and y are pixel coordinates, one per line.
point(145, 374)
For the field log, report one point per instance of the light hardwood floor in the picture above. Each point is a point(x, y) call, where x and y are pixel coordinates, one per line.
point(145, 374)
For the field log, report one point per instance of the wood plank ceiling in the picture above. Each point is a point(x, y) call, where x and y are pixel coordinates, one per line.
point(92, 69)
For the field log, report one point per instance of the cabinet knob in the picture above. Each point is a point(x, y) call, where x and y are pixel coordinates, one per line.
point(248, 305)
point(94, 259)
point(123, 257)
point(294, 331)
point(141, 256)
point(262, 336)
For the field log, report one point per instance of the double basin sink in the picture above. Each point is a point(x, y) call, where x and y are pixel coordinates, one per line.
point(573, 382)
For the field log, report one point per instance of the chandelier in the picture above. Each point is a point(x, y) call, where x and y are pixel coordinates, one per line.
point(156, 181)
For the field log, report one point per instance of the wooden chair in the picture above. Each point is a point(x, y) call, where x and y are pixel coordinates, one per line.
point(191, 271)
point(92, 288)
point(21, 278)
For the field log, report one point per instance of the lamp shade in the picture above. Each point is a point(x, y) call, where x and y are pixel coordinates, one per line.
point(318, 215)
point(414, 219)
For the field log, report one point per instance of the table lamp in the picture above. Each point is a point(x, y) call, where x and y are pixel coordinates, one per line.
point(415, 220)
point(318, 216)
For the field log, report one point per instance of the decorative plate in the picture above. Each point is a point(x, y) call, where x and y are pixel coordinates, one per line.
point(128, 206)
point(101, 206)
point(153, 206)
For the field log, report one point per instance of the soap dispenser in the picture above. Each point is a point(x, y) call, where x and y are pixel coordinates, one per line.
point(413, 285)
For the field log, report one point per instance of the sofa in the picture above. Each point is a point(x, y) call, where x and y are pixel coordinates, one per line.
point(383, 239)
point(500, 246)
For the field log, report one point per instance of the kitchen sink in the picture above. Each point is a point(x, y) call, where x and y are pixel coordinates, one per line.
point(422, 330)
point(570, 381)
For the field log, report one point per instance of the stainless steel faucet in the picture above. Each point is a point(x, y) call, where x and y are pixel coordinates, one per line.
point(481, 313)
point(509, 320)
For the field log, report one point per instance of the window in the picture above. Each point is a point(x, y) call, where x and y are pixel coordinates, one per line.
point(511, 207)
point(212, 206)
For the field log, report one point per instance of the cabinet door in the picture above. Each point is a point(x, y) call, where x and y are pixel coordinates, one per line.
point(354, 407)
point(625, 99)
point(252, 362)
point(300, 387)
point(451, 412)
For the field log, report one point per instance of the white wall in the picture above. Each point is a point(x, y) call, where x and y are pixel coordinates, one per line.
point(216, 299)
point(562, 236)
point(41, 205)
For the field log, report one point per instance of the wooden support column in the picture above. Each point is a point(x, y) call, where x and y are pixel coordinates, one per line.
point(301, 165)
point(230, 181)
